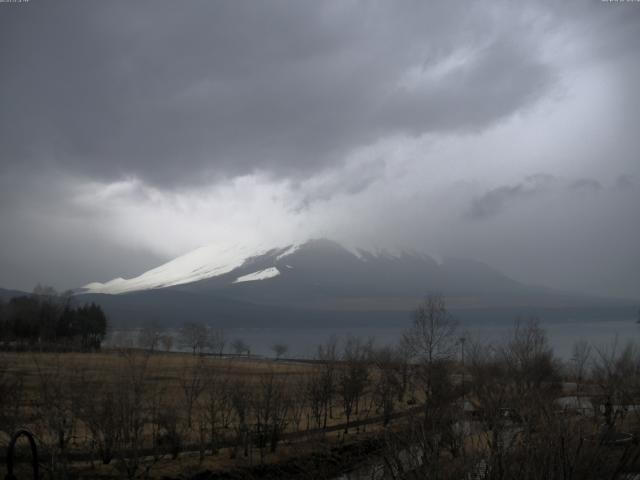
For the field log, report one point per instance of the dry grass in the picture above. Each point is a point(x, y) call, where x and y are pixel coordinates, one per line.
point(163, 369)
point(166, 373)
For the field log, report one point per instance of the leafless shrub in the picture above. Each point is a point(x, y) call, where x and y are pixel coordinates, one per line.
point(353, 376)
point(316, 396)
point(172, 429)
point(298, 400)
point(327, 357)
point(55, 419)
point(216, 406)
point(136, 406)
point(240, 403)
point(94, 404)
point(269, 407)
point(11, 397)
point(192, 384)
point(579, 363)
point(387, 381)
point(617, 372)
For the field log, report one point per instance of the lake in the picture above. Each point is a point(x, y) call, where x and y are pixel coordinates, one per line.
point(303, 342)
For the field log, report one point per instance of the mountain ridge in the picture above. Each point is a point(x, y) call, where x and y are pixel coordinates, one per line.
point(212, 265)
point(320, 281)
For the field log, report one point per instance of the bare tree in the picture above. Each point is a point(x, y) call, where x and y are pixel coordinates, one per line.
point(192, 385)
point(432, 333)
point(279, 349)
point(387, 381)
point(523, 436)
point(136, 406)
point(171, 428)
point(427, 444)
point(492, 388)
point(316, 395)
point(353, 376)
point(579, 362)
point(530, 359)
point(240, 346)
point(269, 407)
point(194, 336)
point(298, 399)
point(240, 402)
point(617, 372)
point(54, 409)
point(167, 342)
point(149, 337)
point(327, 359)
point(431, 341)
point(217, 341)
point(217, 407)
point(94, 404)
point(11, 397)
point(402, 355)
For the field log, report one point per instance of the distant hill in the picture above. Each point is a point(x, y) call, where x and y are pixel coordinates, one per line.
point(6, 294)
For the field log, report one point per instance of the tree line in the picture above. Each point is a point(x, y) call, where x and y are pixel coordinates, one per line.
point(47, 319)
point(193, 336)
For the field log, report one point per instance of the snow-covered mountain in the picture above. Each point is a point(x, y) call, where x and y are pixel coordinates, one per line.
point(200, 264)
point(320, 282)
point(318, 262)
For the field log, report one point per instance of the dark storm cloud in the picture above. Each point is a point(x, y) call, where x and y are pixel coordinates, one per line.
point(176, 92)
point(498, 199)
point(229, 121)
point(494, 201)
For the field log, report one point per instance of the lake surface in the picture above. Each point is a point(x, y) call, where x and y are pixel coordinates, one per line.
point(303, 342)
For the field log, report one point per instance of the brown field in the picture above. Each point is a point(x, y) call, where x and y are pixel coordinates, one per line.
point(53, 384)
point(165, 368)
point(134, 414)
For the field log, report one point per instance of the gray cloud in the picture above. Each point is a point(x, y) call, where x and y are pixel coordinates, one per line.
point(181, 93)
point(625, 182)
point(351, 180)
point(131, 132)
point(496, 200)
point(586, 185)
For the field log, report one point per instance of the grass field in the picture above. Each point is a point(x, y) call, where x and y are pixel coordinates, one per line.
point(80, 398)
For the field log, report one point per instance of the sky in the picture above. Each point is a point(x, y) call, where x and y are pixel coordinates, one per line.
point(507, 132)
